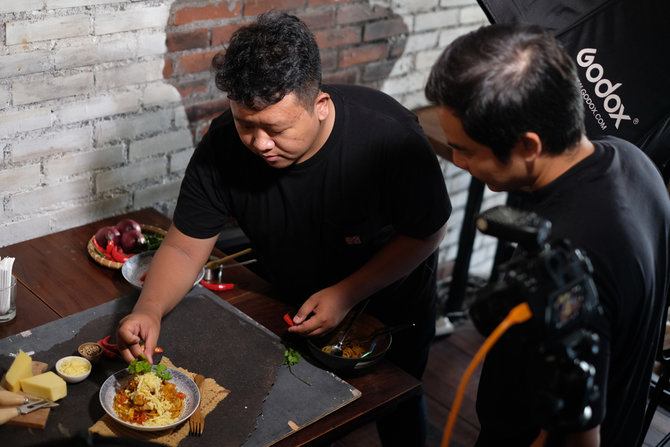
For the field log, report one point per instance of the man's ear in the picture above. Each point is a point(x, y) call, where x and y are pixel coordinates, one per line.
point(529, 146)
point(321, 106)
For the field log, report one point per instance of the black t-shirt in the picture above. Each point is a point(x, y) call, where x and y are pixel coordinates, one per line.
point(314, 223)
point(612, 205)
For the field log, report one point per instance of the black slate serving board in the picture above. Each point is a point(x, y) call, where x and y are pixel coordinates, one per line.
point(203, 334)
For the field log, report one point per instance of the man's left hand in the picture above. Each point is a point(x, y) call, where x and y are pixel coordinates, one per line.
point(321, 313)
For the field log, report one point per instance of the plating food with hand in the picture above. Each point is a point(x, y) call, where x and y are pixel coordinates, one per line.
point(148, 398)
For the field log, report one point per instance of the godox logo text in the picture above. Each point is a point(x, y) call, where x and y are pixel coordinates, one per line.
point(603, 87)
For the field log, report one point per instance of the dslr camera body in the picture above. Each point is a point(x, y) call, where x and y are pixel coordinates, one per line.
point(555, 280)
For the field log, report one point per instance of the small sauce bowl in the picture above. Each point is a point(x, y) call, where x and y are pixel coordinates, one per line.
point(90, 351)
point(73, 369)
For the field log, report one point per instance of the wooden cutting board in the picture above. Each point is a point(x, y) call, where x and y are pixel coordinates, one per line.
point(37, 418)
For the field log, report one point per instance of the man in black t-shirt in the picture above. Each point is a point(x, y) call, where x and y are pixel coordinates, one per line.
point(511, 109)
point(336, 187)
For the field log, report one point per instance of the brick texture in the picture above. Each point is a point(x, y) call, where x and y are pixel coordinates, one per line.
point(222, 35)
point(363, 54)
point(196, 62)
point(221, 10)
point(253, 7)
point(102, 101)
point(188, 40)
point(384, 29)
point(199, 30)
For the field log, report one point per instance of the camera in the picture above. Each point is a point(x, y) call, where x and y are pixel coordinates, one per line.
point(555, 280)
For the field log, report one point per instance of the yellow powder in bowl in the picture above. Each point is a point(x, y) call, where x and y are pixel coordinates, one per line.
point(74, 367)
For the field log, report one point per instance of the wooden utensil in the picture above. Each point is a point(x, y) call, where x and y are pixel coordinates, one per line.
point(216, 263)
point(196, 422)
point(7, 398)
point(9, 413)
point(38, 418)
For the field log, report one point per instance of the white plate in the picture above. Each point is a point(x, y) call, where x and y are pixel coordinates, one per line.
point(136, 266)
point(184, 385)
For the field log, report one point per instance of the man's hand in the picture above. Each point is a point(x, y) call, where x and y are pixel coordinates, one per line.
point(322, 312)
point(134, 328)
point(170, 277)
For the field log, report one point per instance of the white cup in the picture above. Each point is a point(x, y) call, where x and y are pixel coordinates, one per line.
point(8, 302)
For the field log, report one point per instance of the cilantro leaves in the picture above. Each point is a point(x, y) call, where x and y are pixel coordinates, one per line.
point(138, 366)
point(292, 357)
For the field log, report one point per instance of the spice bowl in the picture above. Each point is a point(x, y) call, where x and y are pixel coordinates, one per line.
point(73, 368)
point(90, 351)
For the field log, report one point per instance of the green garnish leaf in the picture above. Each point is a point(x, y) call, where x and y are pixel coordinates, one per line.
point(162, 372)
point(141, 366)
point(292, 357)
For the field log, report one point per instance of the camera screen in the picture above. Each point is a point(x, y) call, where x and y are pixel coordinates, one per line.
point(566, 306)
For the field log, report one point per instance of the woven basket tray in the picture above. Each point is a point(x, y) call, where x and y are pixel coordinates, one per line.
point(93, 252)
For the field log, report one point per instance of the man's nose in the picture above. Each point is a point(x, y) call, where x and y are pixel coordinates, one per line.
point(262, 141)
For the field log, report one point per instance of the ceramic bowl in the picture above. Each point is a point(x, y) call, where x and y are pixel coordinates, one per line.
point(73, 361)
point(90, 351)
point(365, 325)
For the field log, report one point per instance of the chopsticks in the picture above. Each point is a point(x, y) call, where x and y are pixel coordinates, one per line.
point(6, 265)
point(217, 262)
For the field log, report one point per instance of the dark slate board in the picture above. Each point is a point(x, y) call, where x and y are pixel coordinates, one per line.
point(202, 334)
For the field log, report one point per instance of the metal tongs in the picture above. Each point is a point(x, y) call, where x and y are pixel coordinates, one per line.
point(19, 405)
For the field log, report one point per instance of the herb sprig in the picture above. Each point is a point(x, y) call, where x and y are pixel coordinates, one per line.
point(142, 366)
point(292, 357)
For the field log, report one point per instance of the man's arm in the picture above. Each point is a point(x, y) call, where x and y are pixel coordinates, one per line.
point(398, 258)
point(173, 270)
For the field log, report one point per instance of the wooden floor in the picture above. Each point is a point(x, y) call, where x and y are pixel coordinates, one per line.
point(449, 359)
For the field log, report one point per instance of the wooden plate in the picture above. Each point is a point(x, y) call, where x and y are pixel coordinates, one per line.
point(93, 252)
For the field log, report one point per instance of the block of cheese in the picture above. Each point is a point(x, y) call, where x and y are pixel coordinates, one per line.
point(47, 386)
point(22, 368)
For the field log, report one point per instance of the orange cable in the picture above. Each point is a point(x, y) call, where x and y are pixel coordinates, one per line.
point(518, 314)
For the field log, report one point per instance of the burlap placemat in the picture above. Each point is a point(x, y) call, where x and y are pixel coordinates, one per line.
point(212, 393)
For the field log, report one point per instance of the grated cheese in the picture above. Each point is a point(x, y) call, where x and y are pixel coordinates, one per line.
point(74, 367)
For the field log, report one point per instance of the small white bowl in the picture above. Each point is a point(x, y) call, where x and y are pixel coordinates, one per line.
point(73, 379)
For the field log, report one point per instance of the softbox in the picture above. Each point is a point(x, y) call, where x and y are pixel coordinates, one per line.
point(622, 50)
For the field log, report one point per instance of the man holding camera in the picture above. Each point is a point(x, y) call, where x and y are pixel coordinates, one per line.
point(509, 103)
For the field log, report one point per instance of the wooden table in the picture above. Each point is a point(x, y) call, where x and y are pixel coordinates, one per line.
point(57, 278)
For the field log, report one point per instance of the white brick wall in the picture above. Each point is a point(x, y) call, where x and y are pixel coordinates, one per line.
point(46, 27)
point(89, 129)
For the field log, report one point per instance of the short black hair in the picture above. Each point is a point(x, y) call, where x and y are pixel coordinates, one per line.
point(506, 79)
point(268, 59)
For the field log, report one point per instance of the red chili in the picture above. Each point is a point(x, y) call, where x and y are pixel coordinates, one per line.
point(288, 320)
point(118, 254)
point(181, 395)
point(108, 349)
point(104, 252)
point(143, 277)
point(218, 286)
point(158, 350)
